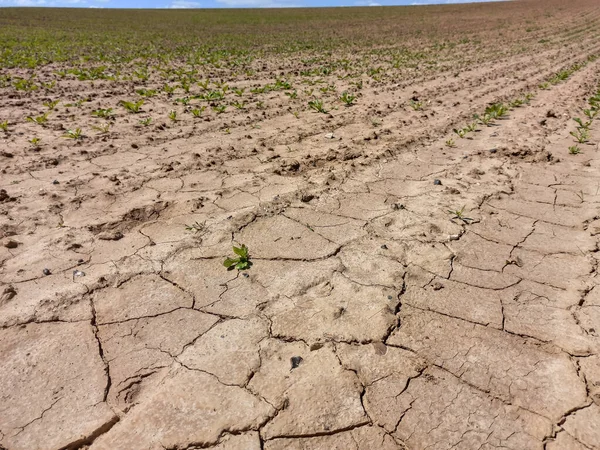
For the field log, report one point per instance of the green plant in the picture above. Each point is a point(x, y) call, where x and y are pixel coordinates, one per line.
point(574, 150)
point(103, 113)
point(292, 95)
point(195, 227)
point(239, 105)
point(471, 127)
point(417, 106)
point(173, 116)
point(348, 99)
point(51, 105)
point(581, 135)
point(132, 107)
point(219, 109)
point(40, 120)
point(102, 129)
point(147, 121)
point(239, 92)
point(591, 113)
point(35, 141)
point(459, 214)
point(461, 132)
point(197, 112)
point(73, 134)
point(317, 105)
point(450, 143)
point(242, 262)
point(582, 125)
point(4, 126)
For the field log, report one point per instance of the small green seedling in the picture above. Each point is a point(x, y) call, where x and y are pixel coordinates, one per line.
point(581, 135)
point(196, 227)
point(35, 141)
point(460, 132)
point(450, 143)
point(4, 126)
point(173, 116)
point(132, 107)
point(459, 214)
point(242, 262)
point(102, 129)
point(317, 105)
point(583, 125)
point(73, 134)
point(103, 113)
point(574, 150)
point(348, 99)
point(51, 105)
point(417, 106)
point(219, 109)
point(147, 121)
point(591, 113)
point(40, 120)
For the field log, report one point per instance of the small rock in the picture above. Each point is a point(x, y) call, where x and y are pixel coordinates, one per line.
point(47, 272)
point(454, 237)
point(10, 243)
point(134, 145)
point(78, 273)
point(110, 236)
point(397, 206)
point(329, 136)
point(551, 113)
point(437, 182)
point(493, 150)
point(384, 247)
point(55, 182)
point(295, 360)
point(437, 286)
point(8, 293)
point(307, 198)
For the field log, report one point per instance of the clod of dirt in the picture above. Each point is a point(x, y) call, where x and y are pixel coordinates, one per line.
point(295, 360)
point(552, 113)
point(110, 235)
point(7, 294)
point(307, 198)
point(10, 243)
point(4, 197)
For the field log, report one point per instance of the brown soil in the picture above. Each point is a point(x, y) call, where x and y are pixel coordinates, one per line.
point(370, 318)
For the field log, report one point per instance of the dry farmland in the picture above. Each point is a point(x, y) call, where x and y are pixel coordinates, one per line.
point(417, 190)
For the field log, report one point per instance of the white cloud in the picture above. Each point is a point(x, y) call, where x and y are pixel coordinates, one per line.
point(184, 4)
point(22, 2)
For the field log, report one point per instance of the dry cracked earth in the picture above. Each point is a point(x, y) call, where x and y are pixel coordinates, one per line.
point(370, 319)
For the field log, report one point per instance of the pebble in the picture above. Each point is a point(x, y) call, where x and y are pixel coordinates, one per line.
point(437, 182)
point(296, 360)
point(55, 182)
point(384, 247)
point(47, 272)
point(11, 243)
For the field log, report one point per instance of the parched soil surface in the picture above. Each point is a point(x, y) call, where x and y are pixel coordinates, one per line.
point(372, 317)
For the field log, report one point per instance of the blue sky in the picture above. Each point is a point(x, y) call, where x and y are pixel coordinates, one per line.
point(179, 4)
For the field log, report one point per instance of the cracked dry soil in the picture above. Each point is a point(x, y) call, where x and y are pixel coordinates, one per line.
point(361, 325)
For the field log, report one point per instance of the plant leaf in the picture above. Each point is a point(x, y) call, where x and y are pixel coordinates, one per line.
point(229, 262)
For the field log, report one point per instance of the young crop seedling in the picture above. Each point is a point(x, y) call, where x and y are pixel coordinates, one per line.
point(40, 120)
point(103, 113)
point(591, 113)
point(73, 134)
point(132, 107)
point(197, 112)
point(317, 105)
point(4, 126)
point(195, 227)
point(292, 95)
point(102, 129)
point(574, 150)
point(35, 141)
point(173, 116)
point(348, 99)
point(219, 109)
point(583, 125)
point(147, 121)
point(242, 262)
point(581, 135)
point(450, 143)
point(459, 214)
point(461, 132)
point(51, 105)
point(417, 106)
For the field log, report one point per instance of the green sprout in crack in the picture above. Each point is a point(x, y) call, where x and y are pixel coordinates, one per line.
point(459, 214)
point(196, 227)
point(242, 262)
